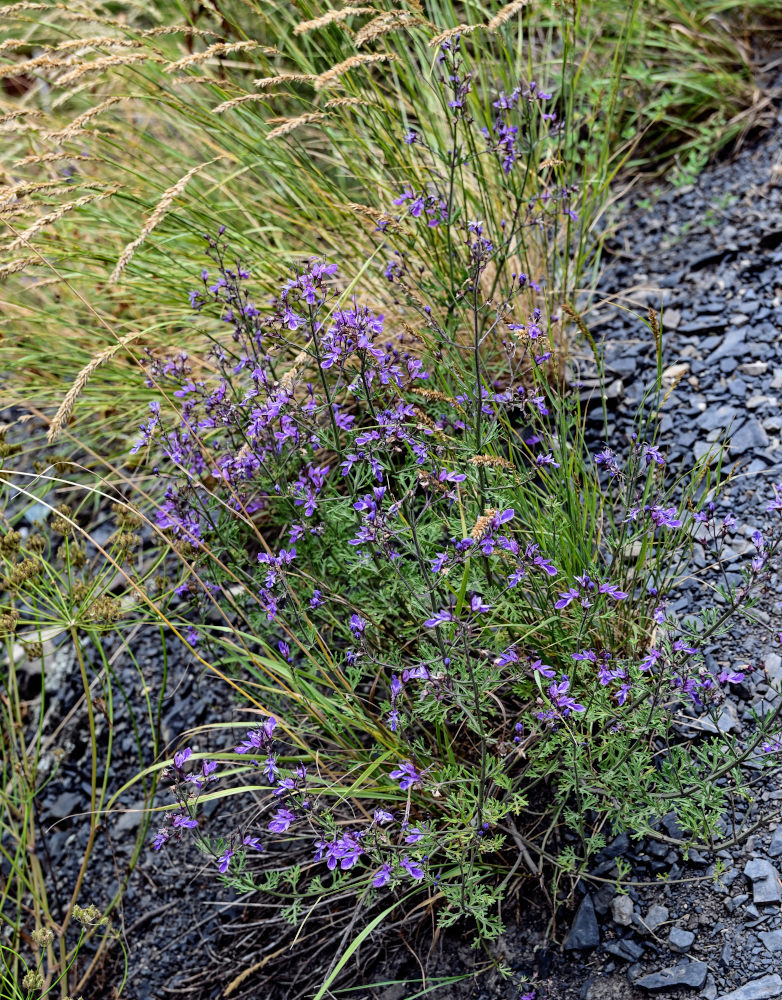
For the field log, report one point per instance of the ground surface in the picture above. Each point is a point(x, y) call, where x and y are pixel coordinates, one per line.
point(712, 256)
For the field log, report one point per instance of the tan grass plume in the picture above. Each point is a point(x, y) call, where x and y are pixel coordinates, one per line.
point(218, 49)
point(98, 41)
point(87, 116)
point(39, 62)
point(331, 17)
point(272, 81)
point(286, 125)
point(236, 102)
point(160, 210)
point(449, 33)
point(505, 14)
point(63, 415)
point(52, 157)
point(45, 220)
point(384, 23)
point(17, 265)
point(106, 62)
point(352, 63)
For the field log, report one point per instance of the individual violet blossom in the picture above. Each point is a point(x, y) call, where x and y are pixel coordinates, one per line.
point(282, 820)
point(412, 868)
point(381, 876)
point(406, 774)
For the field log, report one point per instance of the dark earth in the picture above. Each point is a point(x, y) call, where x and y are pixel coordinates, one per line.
point(709, 255)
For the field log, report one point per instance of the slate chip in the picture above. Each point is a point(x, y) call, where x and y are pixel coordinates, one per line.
point(584, 933)
point(685, 973)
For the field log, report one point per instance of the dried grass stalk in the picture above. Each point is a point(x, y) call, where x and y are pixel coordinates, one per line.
point(287, 125)
point(98, 41)
point(63, 415)
point(352, 63)
point(449, 33)
point(384, 23)
point(505, 14)
point(481, 526)
point(11, 192)
point(492, 461)
point(271, 81)
point(298, 365)
point(331, 17)
point(49, 158)
point(160, 210)
point(218, 49)
point(14, 116)
point(178, 29)
point(78, 124)
point(17, 265)
point(11, 44)
point(349, 102)
point(106, 62)
point(235, 102)
point(39, 62)
point(23, 238)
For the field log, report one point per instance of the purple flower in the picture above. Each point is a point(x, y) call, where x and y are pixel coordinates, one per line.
point(225, 860)
point(381, 816)
point(664, 517)
point(407, 775)
point(649, 660)
point(282, 820)
point(357, 625)
point(185, 821)
point(412, 867)
point(727, 677)
point(181, 756)
point(381, 876)
point(414, 835)
point(441, 618)
point(559, 694)
point(252, 842)
point(566, 598)
point(613, 591)
point(653, 454)
point(542, 668)
point(477, 605)
point(680, 646)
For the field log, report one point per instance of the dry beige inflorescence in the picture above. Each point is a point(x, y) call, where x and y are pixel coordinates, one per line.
point(332, 75)
point(271, 81)
point(286, 125)
point(159, 212)
point(23, 238)
point(218, 49)
point(504, 15)
point(331, 17)
point(384, 23)
point(63, 414)
point(78, 123)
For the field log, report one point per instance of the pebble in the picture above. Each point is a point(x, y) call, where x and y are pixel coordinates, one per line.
point(686, 973)
point(585, 932)
point(758, 989)
point(749, 436)
point(680, 940)
point(655, 917)
point(622, 911)
point(775, 847)
point(765, 881)
point(772, 940)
